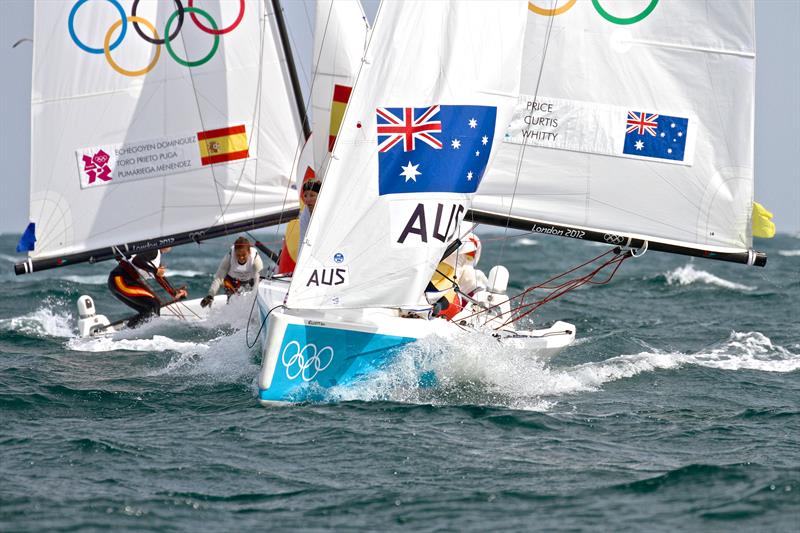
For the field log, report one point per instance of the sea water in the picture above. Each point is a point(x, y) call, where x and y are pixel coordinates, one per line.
point(677, 409)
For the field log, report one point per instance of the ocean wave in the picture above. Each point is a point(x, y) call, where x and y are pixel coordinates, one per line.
point(688, 275)
point(46, 321)
point(525, 241)
point(789, 253)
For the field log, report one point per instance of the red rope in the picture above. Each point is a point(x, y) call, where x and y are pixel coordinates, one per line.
point(560, 289)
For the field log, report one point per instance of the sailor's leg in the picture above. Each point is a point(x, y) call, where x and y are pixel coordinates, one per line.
point(134, 296)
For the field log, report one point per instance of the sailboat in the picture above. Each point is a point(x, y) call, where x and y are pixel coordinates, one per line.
point(157, 124)
point(626, 129)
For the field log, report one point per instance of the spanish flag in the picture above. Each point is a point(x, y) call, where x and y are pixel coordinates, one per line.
point(224, 144)
point(763, 226)
point(341, 94)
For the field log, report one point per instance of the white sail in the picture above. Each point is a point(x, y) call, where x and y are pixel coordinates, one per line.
point(680, 75)
point(340, 37)
point(134, 140)
point(438, 82)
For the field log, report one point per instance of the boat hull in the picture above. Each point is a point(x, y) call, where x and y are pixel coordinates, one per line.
point(305, 352)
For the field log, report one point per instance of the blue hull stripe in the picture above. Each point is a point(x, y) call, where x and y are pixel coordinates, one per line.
point(312, 358)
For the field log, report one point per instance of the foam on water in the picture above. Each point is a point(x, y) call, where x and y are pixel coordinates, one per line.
point(789, 253)
point(225, 359)
point(47, 321)
point(479, 370)
point(158, 343)
point(688, 275)
point(525, 241)
point(102, 279)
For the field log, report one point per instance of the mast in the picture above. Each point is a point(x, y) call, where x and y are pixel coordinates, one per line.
point(287, 51)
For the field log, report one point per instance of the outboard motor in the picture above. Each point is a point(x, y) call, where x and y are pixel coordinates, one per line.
point(90, 323)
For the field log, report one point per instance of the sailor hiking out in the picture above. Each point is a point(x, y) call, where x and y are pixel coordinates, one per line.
point(238, 271)
point(128, 283)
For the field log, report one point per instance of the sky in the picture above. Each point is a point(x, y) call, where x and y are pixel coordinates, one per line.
point(777, 103)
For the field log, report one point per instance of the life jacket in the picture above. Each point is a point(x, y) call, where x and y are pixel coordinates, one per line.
point(144, 273)
point(241, 272)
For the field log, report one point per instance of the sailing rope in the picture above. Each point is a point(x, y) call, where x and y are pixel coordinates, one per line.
point(562, 287)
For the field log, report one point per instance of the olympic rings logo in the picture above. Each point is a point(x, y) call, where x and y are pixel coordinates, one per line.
point(306, 362)
point(613, 239)
point(545, 12)
point(210, 27)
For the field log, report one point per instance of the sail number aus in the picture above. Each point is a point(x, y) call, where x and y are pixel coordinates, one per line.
point(423, 223)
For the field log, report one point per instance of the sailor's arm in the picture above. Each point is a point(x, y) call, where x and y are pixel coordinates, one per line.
point(219, 277)
point(258, 266)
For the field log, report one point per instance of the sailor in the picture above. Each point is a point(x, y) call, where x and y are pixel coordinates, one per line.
point(310, 192)
point(456, 271)
point(239, 270)
point(128, 283)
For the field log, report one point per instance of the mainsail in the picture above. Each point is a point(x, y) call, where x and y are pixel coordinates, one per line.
point(436, 88)
point(635, 120)
point(153, 121)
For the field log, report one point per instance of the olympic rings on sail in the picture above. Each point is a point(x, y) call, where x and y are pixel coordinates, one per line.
point(550, 12)
point(207, 58)
point(107, 48)
point(623, 21)
point(214, 30)
point(71, 27)
point(545, 12)
point(158, 41)
point(210, 26)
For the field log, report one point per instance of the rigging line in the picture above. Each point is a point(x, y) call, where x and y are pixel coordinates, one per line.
point(521, 158)
point(354, 184)
point(197, 97)
point(302, 142)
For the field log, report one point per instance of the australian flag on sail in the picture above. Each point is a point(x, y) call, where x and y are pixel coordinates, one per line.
point(652, 135)
point(441, 148)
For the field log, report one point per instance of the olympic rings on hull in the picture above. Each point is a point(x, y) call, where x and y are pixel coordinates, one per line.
point(210, 27)
point(545, 12)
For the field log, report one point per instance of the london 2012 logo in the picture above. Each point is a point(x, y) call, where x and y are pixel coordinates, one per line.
point(96, 166)
point(171, 31)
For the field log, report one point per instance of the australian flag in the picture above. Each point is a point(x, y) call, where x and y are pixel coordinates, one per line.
point(652, 135)
point(441, 148)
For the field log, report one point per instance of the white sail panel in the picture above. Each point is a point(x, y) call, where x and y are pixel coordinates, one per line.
point(135, 140)
point(340, 37)
point(416, 138)
point(635, 117)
